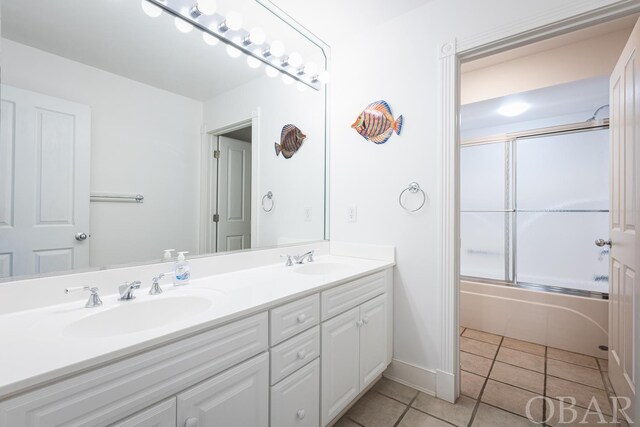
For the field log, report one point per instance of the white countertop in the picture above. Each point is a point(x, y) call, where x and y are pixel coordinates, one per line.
point(38, 347)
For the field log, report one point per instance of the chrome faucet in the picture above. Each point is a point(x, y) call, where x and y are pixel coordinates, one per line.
point(126, 290)
point(94, 299)
point(307, 255)
point(155, 284)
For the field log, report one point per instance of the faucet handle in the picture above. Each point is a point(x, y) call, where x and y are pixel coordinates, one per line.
point(289, 262)
point(312, 252)
point(155, 284)
point(94, 299)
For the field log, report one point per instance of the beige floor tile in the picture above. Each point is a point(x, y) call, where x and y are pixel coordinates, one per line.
point(521, 359)
point(480, 348)
point(482, 336)
point(583, 394)
point(345, 422)
point(488, 416)
point(604, 365)
point(376, 410)
point(513, 399)
point(563, 415)
point(395, 390)
point(519, 377)
point(575, 358)
point(575, 373)
point(415, 418)
point(471, 384)
point(527, 347)
point(475, 364)
point(458, 414)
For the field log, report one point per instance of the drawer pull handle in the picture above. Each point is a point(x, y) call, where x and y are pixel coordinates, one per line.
point(302, 318)
point(191, 422)
point(359, 323)
point(301, 414)
point(302, 354)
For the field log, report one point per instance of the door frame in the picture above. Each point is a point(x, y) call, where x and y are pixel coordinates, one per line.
point(552, 21)
point(209, 170)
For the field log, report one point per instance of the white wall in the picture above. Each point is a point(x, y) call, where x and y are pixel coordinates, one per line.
point(297, 182)
point(398, 62)
point(143, 140)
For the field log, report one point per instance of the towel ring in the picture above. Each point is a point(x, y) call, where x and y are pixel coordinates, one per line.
point(268, 196)
point(413, 188)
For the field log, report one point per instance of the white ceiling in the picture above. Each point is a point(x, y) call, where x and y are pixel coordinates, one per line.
point(116, 36)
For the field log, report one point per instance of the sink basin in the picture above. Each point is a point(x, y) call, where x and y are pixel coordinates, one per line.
point(133, 316)
point(320, 268)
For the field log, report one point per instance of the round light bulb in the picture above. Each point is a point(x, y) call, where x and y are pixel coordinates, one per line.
point(233, 21)
point(233, 51)
point(276, 48)
point(311, 68)
point(253, 62)
point(295, 60)
point(182, 25)
point(150, 9)
point(287, 79)
point(271, 72)
point(209, 39)
point(301, 86)
point(323, 77)
point(257, 36)
point(207, 7)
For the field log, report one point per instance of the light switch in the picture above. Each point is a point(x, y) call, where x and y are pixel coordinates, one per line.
point(352, 214)
point(308, 213)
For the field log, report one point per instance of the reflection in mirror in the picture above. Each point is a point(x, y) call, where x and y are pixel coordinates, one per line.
point(126, 131)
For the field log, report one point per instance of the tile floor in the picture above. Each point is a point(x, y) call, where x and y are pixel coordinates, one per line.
point(499, 376)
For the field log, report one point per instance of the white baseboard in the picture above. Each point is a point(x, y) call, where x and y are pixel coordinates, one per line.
point(412, 376)
point(446, 386)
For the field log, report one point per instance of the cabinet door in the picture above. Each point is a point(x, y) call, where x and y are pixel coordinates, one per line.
point(238, 397)
point(340, 363)
point(373, 339)
point(295, 401)
point(161, 415)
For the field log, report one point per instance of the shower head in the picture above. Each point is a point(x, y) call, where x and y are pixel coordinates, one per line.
point(595, 114)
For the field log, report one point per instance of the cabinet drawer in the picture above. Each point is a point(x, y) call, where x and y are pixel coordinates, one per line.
point(295, 402)
point(161, 415)
point(293, 318)
point(349, 295)
point(106, 395)
point(290, 355)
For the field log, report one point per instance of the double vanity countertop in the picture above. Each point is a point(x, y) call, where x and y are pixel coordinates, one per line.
point(45, 344)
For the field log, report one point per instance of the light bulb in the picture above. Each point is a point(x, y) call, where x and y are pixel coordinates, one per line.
point(301, 86)
point(209, 39)
point(253, 62)
point(323, 77)
point(233, 21)
point(150, 9)
point(311, 68)
point(287, 79)
point(271, 71)
point(257, 36)
point(295, 60)
point(513, 109)
point(233, 51)
point(182, 25)
point(276, 48)
point(207, 7)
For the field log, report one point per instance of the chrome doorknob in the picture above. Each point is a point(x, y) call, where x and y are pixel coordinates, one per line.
point(601, 242)
point(81, 236)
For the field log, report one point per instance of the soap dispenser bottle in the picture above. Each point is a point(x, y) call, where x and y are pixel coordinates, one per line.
point(182, 270)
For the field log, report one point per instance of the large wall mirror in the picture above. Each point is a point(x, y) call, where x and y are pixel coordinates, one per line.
point(130, 127)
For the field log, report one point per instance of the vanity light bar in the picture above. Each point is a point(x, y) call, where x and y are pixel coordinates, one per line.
point(228, 36)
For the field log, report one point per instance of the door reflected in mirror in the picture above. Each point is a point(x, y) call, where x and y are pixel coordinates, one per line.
point(125, 132)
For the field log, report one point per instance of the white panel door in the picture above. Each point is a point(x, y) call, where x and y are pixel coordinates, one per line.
point(234, 194)
point(624, 299)
point(237, 397)
point(340, 360)
point(44, 183)
point(373, 339)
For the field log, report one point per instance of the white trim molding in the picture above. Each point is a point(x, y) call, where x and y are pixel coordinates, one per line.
point(413, 376)
point(561, 18)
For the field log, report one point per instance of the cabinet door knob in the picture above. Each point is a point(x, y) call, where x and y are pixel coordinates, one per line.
point(302, 318)
point(191, 422)
point(359, 323)
point(301, 414)
point(365, 320)
point(302, 354)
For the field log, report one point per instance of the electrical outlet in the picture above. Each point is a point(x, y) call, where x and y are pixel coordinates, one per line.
point(352, 214)
point(308, 213)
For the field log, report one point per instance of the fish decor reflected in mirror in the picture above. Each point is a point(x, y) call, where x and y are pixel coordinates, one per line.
point(291, 139)
point(376, 123)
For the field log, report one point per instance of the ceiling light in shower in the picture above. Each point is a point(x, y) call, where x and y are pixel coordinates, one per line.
point(276, 48)
point(513, 109)
point(150, 9)
point(295, 60)
point(233, 21)
point(253, 62)
point(207, 7)
point(182, 25)
point(257, 36)
point(209, 39)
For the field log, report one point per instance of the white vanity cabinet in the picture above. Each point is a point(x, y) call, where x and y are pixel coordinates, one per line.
point(161, 415)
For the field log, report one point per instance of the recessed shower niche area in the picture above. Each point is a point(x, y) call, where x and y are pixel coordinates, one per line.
point(137, 131)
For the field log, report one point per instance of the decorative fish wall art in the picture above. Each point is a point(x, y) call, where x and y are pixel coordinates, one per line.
point(376, 123)
point(291, 139)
